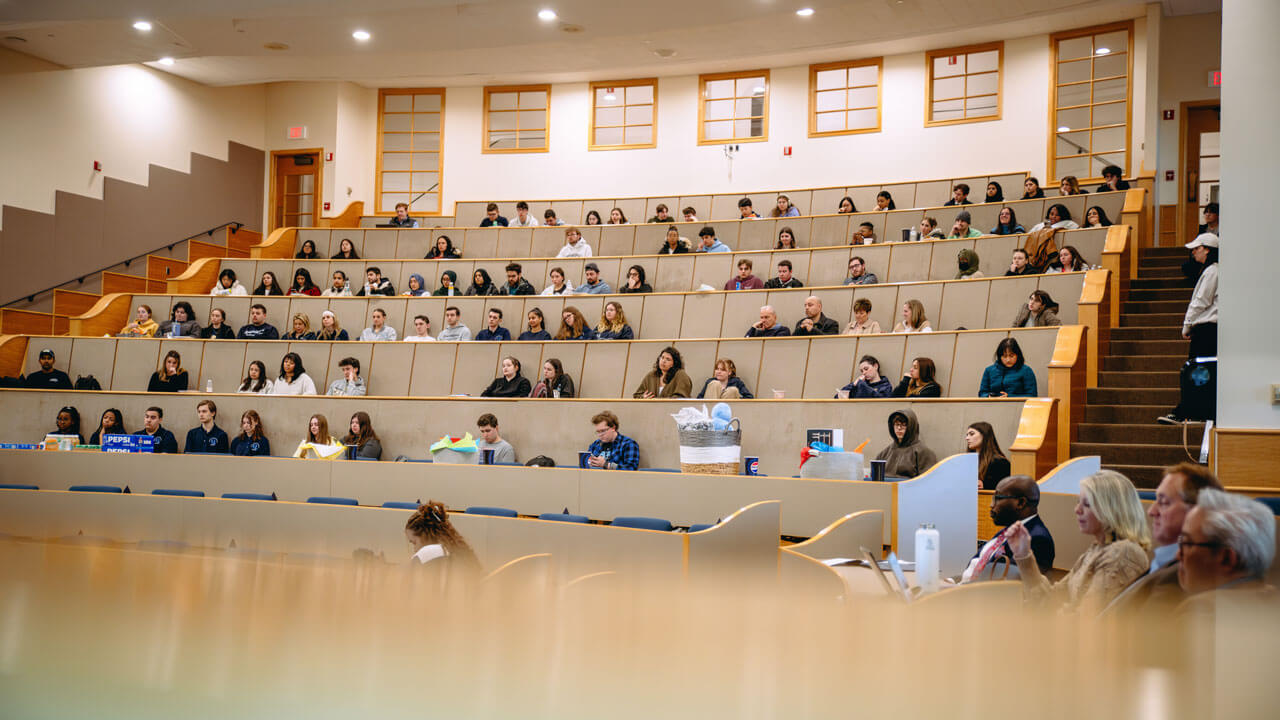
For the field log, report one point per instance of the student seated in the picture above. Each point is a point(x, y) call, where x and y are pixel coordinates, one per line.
point(422, 330)
point(350, 384)
point(490, 440)
point(674, 244)
point(959, 195)
point(786, 239)
point(846, 206)
point(554, 383)
point(550, 220)
point(1039, 311)
point(920, 380)
point(858, 274)
point(661, 214)
point(346, 251)
point(443, 249)
point(574, 245)
point(207, 437)
point(613, 323)
point(744, 280)
point(510, 384)
point(256, 382)
point(339, 285)
point(668, 378)
point(884, 201)
point(417, 286)
point(112, 423)
point(1019, 264)
point(784, 208)
point(961, 229)
point(181, 322)
point(558, 285)
point(47, 377)
point(301, 328)
point(616, 217)
point(593, 217)
point(1058, 217)
point(1071, 186)
point(724, 383)
point(906, 456)
point(1007, 223)
point(913, 318)
point(768, 325)
point(1009, 375)
point(864, 235)
point(433, 538)
point(302, 284)
point(573, 325)
point(784, 279)
point(368, 446)
point(218, 329)
point(330, 328)
point(929, 229)
point(967, 265)
point(494, 330)
point(708, 243)
point(862, 323)
point(448, 285)
point(869, 382)
point(481, 284)
point(318, 443)
point(1016, 502)
point(171, 377)
point(746, 211)
point(516, 284)
point(402, 219)
point(1032, 189)
point(453, 330)
point(375, 284)
point(523, 218)
point(814, 321)
point(67, 422)
point(492, 218)
point(379, 330)
point(995, 193)
point(635, 281)
point(227, 284)
point(258, 329)
point(594, 285)
point(269, 285)
point(252, 440)
point(1095, 216)
point(689, 214)
point(1111, 181)
point(612, 450)
point(1069, 260)
point(165, 442)
point(993, 466)
point(537, 327)
point(293, 378)
point(142, 325)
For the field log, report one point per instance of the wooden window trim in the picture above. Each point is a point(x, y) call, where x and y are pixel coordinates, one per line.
point(623, 84)
point(377, 177)
point(702, 106)
point(1056, 38)
point(878, 62)
point(484, 137)
point(931, 55)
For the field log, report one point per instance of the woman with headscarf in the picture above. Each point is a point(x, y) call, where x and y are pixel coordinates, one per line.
point(967, 263)
point(417, 286)
point(448, 285)
point(481, 284)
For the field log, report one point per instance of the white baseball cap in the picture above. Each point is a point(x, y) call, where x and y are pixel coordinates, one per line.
point(1205, 239)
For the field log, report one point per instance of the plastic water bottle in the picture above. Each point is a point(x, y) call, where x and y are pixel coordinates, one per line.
point(208, 385)
point(928, 555)
point(737, 285)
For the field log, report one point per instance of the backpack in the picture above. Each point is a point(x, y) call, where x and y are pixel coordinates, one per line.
point(87, 382)
point(1041, 249)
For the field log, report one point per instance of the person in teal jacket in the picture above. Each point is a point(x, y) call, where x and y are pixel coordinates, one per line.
point(1009, 375)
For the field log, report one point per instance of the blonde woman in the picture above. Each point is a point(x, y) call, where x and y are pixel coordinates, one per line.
point(301, 328)
point(1109, 510)
point(613, 323)
point(318, 443)
point(142, 326)
point(330, 328)
point(913, 318)
point(724, 383)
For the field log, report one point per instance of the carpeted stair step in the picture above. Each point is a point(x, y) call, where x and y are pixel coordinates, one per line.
point(1171, 273)
point(1153, 433)
point(1171, 251)
point(1166, 332)
point(1154, 306)
point(1132, 453)
point(1147, 295)
point(1153, 363)
point(1148, 261)
point(1125, 413)
point(1153, 319)
point(1138, 379)
point(1141, 283)
point(1133, 396)
point(1149, 347)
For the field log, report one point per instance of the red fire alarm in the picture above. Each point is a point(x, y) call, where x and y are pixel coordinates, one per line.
point(326, 205)
point(328, 157)
point(786, 150)
point(1168, 114)
point(1168, 176)
point(97, 166)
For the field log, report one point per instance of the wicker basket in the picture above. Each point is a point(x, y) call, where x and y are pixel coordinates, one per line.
point(711, 452)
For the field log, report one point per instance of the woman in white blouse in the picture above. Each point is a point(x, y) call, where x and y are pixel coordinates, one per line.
point(913, 318)
point(293, 379)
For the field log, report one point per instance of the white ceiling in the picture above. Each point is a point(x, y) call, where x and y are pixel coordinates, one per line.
point(433, 42)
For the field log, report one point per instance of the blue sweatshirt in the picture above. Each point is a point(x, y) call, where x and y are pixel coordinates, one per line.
point(1016, 381)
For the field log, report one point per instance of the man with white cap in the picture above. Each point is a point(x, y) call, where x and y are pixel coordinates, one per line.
point(1200, 325)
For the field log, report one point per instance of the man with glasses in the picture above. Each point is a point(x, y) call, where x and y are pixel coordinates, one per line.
point(858, 274)
point(612, 450)
point(1016, 500)
point(1226, 546)
point(1177, 494)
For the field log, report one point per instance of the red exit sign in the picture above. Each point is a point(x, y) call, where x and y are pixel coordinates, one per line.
point(297, 132)
point(1215, 78)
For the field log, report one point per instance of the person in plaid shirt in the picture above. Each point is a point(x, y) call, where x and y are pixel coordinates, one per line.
point(612, 450)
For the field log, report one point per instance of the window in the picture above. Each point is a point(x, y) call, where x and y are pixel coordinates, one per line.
point(409, 139)
point(844, 97)
point(516, 118)
point(964, 84)
point(1091, 106)
point(733, 107)
point(624, 114)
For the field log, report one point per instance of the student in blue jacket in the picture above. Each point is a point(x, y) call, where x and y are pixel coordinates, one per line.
point(207, 437)
point(870, 384)
point(1009, 375)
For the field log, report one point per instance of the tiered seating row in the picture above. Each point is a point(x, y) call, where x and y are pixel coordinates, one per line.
point(799, 367)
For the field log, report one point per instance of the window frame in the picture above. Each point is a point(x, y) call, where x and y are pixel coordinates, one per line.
point(931, 55)
point(378, 171)
point(489, 91)
point(702, 106)
point(623, 84)
point(878, 62)
point(1051, 166)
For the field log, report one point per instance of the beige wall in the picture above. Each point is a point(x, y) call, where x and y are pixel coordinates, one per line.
point(1190, 46)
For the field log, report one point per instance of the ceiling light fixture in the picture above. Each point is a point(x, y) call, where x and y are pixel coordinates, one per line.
point(142, 25)
point(166, 61)
point(547, 15)
point(1103, 51)
point(804, 12)
point(757, 90)
point(361, 35)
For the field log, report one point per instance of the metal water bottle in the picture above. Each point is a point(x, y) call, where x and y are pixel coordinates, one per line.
point(928, 555)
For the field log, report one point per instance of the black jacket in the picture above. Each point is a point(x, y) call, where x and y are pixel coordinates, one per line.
point(219, 333)
point(776, 284)
point(516, 387)
point(165, 441)
point(933, 389)
point(54, 380)
point(822, 326)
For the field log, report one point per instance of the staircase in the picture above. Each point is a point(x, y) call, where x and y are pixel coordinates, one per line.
point(1138, 380)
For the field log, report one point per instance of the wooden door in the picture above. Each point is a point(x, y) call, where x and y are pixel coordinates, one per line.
point(295, 188)
point(1198, 157)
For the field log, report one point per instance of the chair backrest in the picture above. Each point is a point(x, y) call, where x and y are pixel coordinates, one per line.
point(325, 500)
point(179, 493)
point(18, 486)
point(95, 488)
point(1271, 502)
point(643, 523)
point(247, 496)
point(399, 505)
point(495, 511)
point(699, 527)
point(564, 517)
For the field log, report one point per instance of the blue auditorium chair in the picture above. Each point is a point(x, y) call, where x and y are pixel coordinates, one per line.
point(323, 500)
point(248, 496)
point(494, 511)
point(95, 488)
point(399, 505)
point(18, 486)
point(565, 517)
point(642, 523)
point(179, 493)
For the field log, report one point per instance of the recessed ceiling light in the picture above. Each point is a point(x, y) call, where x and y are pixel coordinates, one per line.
point(757, 90)
point(361, 35)
point(1064, 128)
point(1103, 51)
point(165, 61)
point(804, 12)
point(142, 25)
point(547, 14)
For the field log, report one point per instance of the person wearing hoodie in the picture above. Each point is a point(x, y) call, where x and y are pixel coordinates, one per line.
point(510, 384)
point(228, 285)
point(1039, 311)
point(417, 286)
point(744, 280)
point(448, 284)
point(1009, 375)
point(870, 384)
point(906, 455)
point(967, 262)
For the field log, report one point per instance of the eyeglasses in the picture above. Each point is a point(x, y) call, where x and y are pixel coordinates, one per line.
point(1184, 541)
